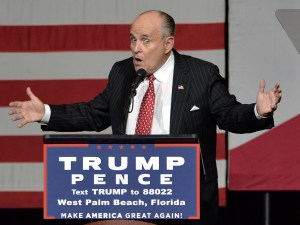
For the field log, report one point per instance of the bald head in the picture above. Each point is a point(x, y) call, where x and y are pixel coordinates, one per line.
point(164, 20)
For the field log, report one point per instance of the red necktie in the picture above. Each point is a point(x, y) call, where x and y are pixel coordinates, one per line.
point(145, 118)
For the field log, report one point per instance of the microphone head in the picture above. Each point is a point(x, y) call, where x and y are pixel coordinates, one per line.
point(141, 73)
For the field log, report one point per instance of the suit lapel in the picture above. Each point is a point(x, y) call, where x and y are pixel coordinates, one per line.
point(180, 93)
point(122, 114)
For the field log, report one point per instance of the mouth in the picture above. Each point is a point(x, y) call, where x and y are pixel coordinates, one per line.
point(137, 60)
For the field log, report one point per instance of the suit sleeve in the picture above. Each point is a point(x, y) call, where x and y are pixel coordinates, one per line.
point(230, 114)
point(84, 116)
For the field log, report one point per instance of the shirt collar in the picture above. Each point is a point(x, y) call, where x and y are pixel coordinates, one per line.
point(164, 72)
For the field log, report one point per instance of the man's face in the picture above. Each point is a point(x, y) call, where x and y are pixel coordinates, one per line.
point(150, 48)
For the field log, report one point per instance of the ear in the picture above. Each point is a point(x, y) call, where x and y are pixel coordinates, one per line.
point(169, 44)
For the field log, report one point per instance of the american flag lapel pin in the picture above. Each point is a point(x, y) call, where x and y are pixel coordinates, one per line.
point(180, 87)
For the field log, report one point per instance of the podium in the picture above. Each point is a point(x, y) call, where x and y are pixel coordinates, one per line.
point(121, 177)
point(119, 139)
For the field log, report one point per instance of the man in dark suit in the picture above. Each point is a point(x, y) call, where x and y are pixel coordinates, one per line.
point(190, 98)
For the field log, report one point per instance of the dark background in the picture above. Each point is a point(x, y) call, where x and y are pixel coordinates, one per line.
point(243, 208)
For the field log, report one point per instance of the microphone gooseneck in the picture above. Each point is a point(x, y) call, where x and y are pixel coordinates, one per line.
point(140, 76)
point(129, 98)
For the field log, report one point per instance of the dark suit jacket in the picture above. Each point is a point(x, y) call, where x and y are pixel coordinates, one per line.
point(202, 86)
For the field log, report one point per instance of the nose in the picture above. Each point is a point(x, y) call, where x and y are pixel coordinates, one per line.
point(136, 47)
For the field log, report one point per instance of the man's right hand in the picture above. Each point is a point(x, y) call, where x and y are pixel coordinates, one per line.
point(27, 111)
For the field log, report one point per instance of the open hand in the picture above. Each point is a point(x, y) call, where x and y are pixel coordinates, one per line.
point(27, 111)
point(266, 102)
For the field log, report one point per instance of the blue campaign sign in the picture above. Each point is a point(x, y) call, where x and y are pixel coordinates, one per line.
point(122, 181)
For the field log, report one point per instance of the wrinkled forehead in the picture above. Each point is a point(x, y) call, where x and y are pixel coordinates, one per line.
point(147, 24)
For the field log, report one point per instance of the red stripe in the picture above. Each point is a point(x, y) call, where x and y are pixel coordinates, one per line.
point(200, 36)
point(51, 91)
point(101, 37)
point(268, 162)
point(221, 146)
point(21, 199)
point(222, 197)
point(21, 149)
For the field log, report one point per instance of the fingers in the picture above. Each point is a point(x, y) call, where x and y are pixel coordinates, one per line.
point(14, 111)
point(25, 111)
point(278, 98)
point(18, 116)
point(23, 122)
point(30, 93)
point(277, 92)
point(267, 102)
point(15, 104)
point(276, 87)
point(262, 86)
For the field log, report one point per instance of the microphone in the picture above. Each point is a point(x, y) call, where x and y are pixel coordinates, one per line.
point(140, 76)
point(142, 73)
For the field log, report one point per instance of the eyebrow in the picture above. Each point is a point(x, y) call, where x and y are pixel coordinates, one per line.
point(145, 36)
point(142, 36)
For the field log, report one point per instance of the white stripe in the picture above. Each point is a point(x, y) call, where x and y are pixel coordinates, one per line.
point(32, 12)
point(222, 170)
point(9, 128)
point(77, 65)
point(62, 65)
point(21, 176)
point(29, 176)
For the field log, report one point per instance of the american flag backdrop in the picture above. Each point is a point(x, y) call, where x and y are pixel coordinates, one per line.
point(64, 50)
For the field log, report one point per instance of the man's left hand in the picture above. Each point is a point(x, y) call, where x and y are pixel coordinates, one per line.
point(266, 102)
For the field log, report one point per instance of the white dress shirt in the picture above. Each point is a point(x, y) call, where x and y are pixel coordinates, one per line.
point(163, 94)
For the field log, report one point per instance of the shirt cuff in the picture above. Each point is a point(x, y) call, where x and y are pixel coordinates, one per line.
point(257, 115)
point(47, 115)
